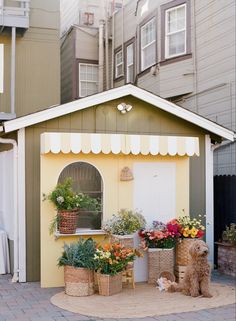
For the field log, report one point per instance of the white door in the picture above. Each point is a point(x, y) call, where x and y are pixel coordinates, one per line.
point(154, 195)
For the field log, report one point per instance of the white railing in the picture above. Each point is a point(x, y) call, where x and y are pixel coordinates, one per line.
point(13, 9)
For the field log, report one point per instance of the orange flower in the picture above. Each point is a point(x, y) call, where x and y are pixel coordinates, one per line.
point(107, 247)
point(116, 253)
point(117, 246)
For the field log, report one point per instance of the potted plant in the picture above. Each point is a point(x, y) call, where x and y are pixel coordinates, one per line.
point(78, 261)
point(110, 261)
point(227, 251)
point(68, 203)
point(189, 230)
point(159, 241)
point(123, 225)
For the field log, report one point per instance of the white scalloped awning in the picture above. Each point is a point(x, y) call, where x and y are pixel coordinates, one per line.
point(118, 143)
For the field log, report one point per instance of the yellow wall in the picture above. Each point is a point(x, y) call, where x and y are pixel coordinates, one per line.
point(117, 194)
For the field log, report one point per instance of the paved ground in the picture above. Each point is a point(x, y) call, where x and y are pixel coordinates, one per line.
point(28, 302)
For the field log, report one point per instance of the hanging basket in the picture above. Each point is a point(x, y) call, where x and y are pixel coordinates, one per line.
point(78, 281)
point(159, 260)
point(183, 257)
point(67, 221)
point(109, 284)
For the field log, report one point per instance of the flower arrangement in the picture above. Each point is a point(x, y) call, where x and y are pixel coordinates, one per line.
point(111, 259)
point(125, 222)
point(160, 235)
point(190, 228)
point(229, 234)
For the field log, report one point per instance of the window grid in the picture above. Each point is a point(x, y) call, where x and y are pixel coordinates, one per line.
point(130, 63)
point(175, 31)
point(88, 79)
point(119, 64)
point(148, 43)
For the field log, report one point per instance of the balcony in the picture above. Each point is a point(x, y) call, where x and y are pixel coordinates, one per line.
point(14, 13)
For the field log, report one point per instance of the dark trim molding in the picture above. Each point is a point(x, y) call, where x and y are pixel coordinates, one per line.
point(143, 22)
point(114, 72)
point(82, 61)
point(170, 5)
point(175, 59)
point(126, 44)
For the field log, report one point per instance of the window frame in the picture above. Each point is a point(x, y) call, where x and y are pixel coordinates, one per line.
point(167, 48)
point(142, 25)
point(117, 51)
point(89, 63)
point(178, 57)
point(127, 44)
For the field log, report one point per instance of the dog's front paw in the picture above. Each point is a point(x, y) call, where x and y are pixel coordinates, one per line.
point(207, 295)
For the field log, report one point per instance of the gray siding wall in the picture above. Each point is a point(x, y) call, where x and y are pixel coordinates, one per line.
point(207, 79)
point(67, 66)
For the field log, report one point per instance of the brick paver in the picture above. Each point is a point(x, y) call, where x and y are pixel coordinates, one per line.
point(28, 302)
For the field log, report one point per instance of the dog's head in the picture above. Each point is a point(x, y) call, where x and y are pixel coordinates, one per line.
point(199, 249)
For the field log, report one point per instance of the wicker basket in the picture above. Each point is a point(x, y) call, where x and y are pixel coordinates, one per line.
point(159, 260)
point(168, 275)
point(78, 281)
point(109, 284)
point(182, 252)
point(67, 221)
point(124, 240)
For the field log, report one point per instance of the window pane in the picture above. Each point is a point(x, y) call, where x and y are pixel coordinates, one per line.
point(88, 79)
point(148, 33)
point(130, 73)
point(130, 54)
point(86, 179)
point(177, 43)
point(119, 63)
point(149, 56)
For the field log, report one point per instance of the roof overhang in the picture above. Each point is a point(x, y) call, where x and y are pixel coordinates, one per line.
point(113, 94)
point(118, 143)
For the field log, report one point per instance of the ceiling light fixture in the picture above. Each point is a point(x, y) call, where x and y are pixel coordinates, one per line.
point(123, 108)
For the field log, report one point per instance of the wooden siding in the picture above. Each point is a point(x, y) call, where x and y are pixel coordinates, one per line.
point(68, 67)
point(203, 83)
point(144, 119)
point(86, 43)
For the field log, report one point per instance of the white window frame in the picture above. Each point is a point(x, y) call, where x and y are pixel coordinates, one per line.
point(80, 81)
point(149, 44)
point(119, 64)
point(131, 64)
point(1, 67)
point(167, 34)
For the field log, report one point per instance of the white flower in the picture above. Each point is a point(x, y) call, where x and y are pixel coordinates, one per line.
point(60, 199)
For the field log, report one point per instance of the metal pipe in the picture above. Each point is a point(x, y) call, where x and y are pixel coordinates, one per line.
point(15, 205)
point(101, 56)
point(13, 68)
point(112, 45)
point(106, 47)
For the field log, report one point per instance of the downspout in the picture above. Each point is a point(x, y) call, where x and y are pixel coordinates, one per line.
point(106, 47)
point(112, 45)
point(13, 68)
point(15, 179)
point(100, 56)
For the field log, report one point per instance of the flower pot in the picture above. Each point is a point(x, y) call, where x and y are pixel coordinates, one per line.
point(226, 258)
point(109, 284)
point(125, 240)
point(67, 221)
point(183, 257)
point(78, 281)
point(159, 260)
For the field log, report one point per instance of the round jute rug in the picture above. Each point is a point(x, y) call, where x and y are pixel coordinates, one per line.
point(143, 301)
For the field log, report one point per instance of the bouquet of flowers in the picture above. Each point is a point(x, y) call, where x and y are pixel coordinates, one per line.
point(113, 258)
point(160, 235)
point(190, 228)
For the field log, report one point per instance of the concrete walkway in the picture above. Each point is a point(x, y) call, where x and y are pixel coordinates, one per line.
point(28, 302)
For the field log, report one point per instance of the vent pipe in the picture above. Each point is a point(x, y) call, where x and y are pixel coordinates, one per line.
point(101, 56)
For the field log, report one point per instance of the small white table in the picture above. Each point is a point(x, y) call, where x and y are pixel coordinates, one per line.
point(4, 253)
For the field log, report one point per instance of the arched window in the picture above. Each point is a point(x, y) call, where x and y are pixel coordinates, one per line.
point(86, 179)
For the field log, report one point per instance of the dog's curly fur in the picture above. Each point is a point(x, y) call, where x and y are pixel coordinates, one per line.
point(197, 275)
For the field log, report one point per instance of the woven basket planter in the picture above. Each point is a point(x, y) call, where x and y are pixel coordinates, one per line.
point(182, 252)
point(67, 221)
point(78, 281)
point(159, 260)
point(109, 284)
point(124, 240)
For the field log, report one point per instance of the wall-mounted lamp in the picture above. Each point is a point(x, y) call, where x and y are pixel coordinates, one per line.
point(123, 108)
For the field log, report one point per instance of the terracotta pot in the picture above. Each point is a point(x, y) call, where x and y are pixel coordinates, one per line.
point(109, 284)
point(78, 281)
point(67, 221)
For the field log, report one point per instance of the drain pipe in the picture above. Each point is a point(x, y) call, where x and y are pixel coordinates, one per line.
point(15, 179)
point(101, 56)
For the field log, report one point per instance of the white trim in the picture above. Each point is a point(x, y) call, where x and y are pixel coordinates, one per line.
point(209, 197)
point(1, 67)
point(21, 204)
point(113, 94)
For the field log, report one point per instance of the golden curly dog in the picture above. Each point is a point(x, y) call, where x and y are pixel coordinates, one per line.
point(197, 275)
